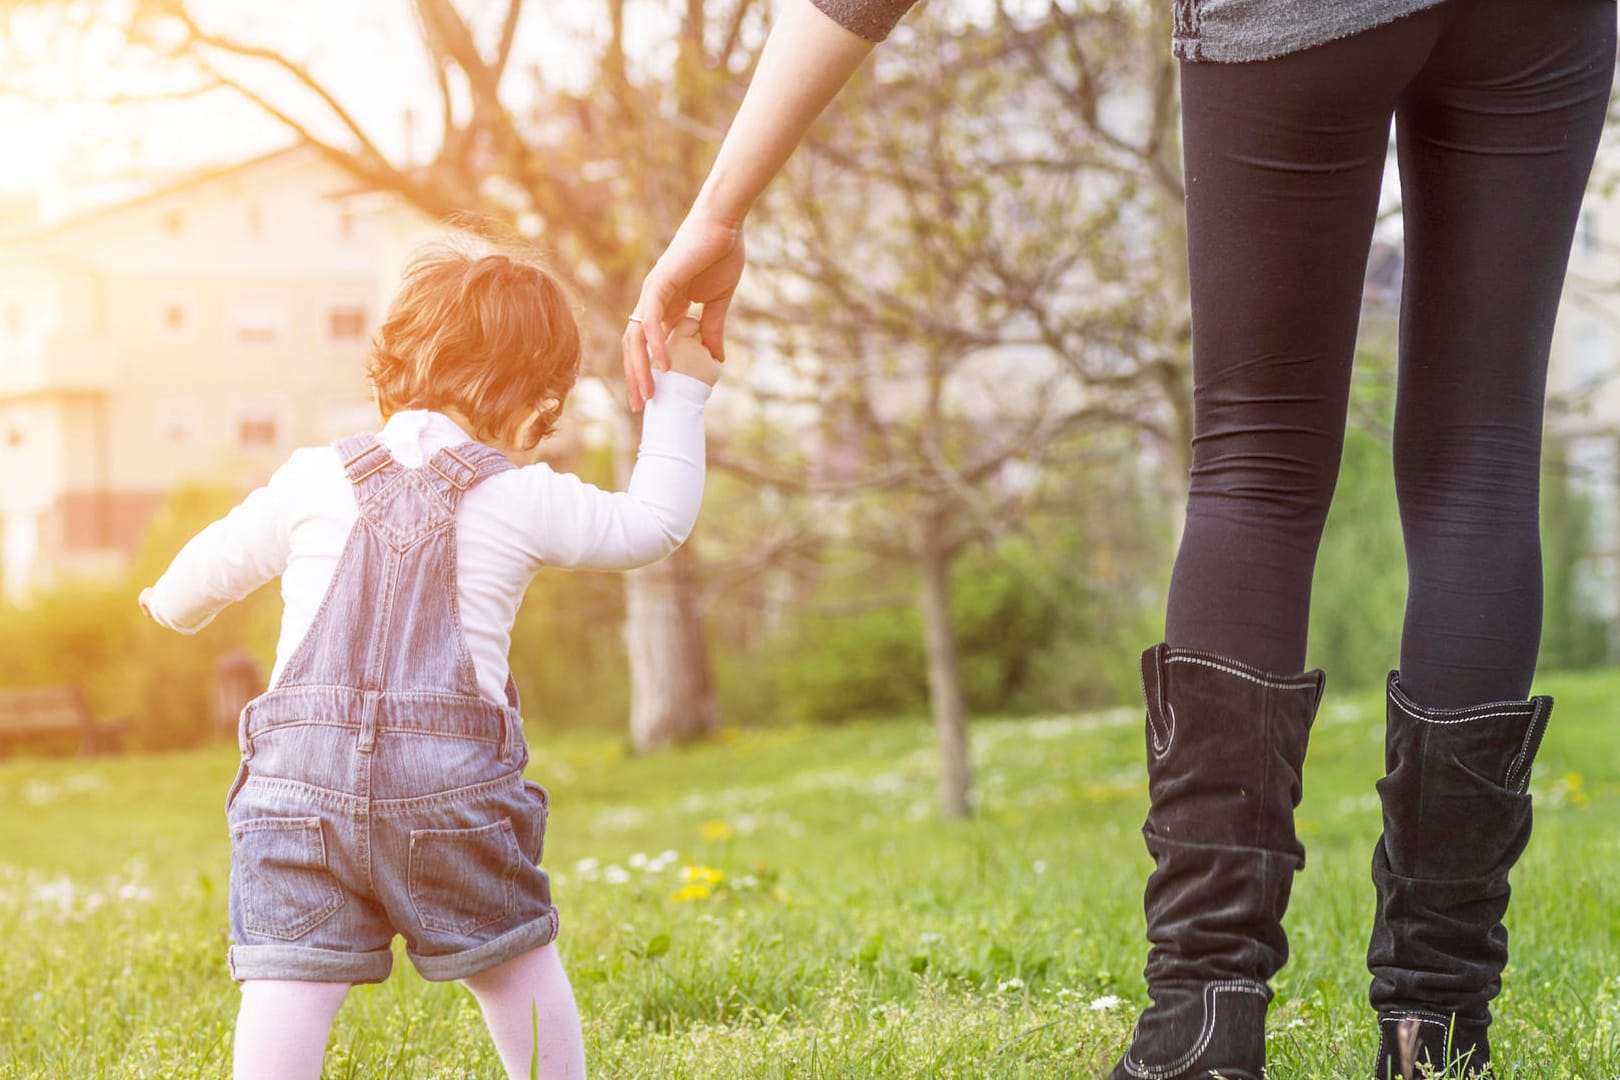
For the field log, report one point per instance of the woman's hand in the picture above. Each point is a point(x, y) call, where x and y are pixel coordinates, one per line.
point(703, 265)
point(807, 58)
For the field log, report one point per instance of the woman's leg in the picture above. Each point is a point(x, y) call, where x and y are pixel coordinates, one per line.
point(1496, 139)
point(281, 1028)
point(513, 996)
point(1284, 161)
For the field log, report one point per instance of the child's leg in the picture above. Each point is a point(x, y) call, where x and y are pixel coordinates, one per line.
point(511, 993)
point(282, 1026)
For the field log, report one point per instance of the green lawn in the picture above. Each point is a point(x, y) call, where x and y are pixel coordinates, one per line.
point(852, 935)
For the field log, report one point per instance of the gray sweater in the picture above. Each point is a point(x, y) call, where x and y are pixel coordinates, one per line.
point(1226, 31)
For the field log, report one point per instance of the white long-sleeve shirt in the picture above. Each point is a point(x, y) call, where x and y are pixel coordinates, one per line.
point(507, 527)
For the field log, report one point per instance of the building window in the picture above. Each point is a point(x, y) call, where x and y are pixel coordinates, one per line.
point(1591, 357)
point(346, 322)
point(257, 321)
point(175, 315)
point(177, 420)
point(258, 429)
point(1591, 240)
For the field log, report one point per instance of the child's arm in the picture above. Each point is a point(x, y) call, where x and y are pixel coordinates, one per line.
point(580, 526)
point(227, 560)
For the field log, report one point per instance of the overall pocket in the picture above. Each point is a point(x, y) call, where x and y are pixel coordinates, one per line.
point(461, 880)
point(282, 880)
point(539, 813)
point(236, 785)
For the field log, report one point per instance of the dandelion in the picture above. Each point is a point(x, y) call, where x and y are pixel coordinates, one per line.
point(1039, 866)
point(586, 867)
point(615, 875)
point(1011, 984)
point(638, 861)
point(703, 875)
point(716, 830)
point(690, 892)
point(931, 939)
point(1105, 1003)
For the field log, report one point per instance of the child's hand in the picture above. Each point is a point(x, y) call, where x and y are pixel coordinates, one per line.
point(145, 600)
point(688, 355)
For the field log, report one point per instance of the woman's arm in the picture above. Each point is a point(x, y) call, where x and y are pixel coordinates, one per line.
point(806, 61)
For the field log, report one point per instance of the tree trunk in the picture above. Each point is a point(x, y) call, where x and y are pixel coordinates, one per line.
point(671, 689)
point(945, 681)
point(671, 684)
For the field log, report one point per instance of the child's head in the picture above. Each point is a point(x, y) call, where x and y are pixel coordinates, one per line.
point(488, 337)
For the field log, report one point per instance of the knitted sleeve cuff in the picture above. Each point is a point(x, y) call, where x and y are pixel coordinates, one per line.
point(871, 19)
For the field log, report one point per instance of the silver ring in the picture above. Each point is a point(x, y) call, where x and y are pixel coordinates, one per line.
point(635, 318)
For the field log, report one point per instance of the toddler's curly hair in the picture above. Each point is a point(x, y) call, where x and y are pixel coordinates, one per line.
point(488, 334)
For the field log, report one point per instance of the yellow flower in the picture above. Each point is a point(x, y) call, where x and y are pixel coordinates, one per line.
point(690, 892)
point(703, 875)
point(715, 830)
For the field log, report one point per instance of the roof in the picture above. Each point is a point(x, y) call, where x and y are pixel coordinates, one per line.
point(202, 178)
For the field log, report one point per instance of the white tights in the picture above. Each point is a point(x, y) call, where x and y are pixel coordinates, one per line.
point(282, 1027)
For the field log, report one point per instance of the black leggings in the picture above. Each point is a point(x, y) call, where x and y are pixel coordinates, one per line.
point(1498, 105)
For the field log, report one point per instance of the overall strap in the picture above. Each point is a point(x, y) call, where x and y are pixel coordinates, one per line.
point(456, 470)
point(367, 463)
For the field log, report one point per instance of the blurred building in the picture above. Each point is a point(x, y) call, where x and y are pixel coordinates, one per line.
point(1584, 398)
point(197, 333)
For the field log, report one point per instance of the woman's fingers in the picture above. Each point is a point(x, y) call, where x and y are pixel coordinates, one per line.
point(712, 327)
point(643, 345)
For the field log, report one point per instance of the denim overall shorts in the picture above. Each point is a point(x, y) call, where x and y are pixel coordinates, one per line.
point(379, 792)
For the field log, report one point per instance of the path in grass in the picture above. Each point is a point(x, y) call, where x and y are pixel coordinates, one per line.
point(786, 904)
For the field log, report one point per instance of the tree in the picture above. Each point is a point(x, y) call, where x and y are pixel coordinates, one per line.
point(599, 174)
point(976, 267)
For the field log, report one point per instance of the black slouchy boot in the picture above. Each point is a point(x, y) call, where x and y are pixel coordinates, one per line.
point(1225, 745)
point(1456, 818)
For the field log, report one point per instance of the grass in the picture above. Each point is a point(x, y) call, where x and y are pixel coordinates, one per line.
point(852, 933)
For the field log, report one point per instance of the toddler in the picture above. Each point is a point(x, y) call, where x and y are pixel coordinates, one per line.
point(381, 788)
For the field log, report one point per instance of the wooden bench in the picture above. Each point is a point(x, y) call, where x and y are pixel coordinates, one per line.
point(52, 717)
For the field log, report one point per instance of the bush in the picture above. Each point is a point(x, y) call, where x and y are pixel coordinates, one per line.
point(1030, 640)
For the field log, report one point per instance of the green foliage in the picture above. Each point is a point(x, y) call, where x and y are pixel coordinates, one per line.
point(1359, 594)
point(1573, 635)
point(1030, 640)
point(91, 633)
point(568, 655)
